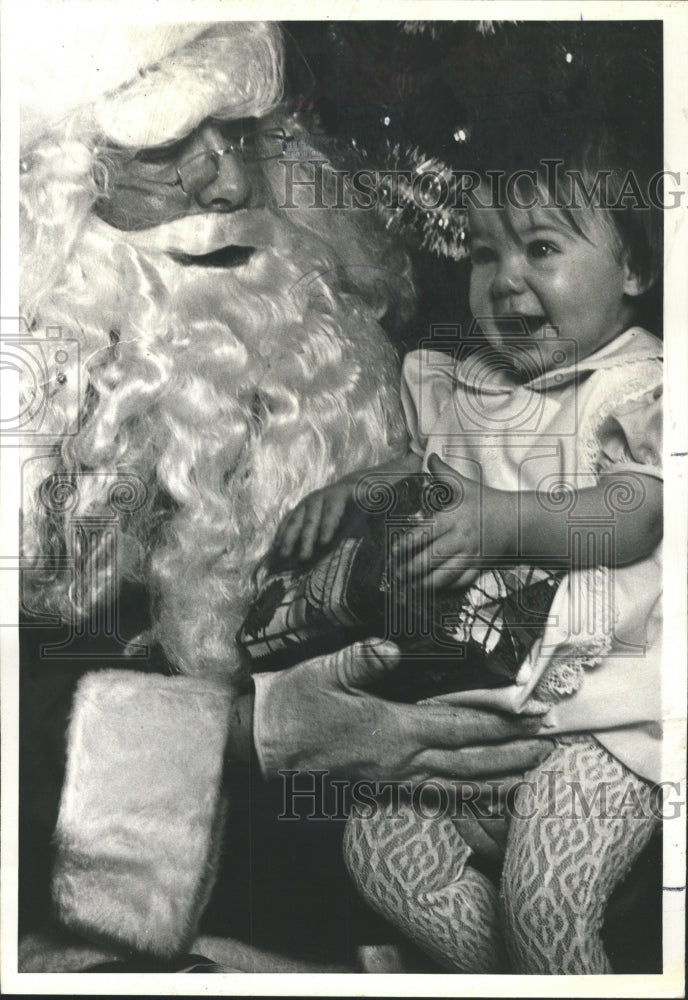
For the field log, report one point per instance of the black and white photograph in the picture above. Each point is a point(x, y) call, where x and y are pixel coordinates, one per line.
point(338, 640)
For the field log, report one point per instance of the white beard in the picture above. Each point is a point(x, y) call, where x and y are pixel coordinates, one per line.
point(230, 392)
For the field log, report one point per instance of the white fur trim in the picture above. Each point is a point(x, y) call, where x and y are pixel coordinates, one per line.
point(145, 82)
point(70, 59)
point(54, 951)
point(232, 70)
point(141, 808)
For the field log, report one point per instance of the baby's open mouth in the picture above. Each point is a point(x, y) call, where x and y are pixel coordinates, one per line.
point(517, 327)
point(230, 256)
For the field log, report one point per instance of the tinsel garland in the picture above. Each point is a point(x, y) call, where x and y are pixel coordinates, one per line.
point(433, 97)
point(428, 216)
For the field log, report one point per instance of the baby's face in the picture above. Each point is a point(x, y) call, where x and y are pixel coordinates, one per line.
point(530, 268)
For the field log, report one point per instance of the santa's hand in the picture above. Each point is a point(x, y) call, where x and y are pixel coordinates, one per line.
point(314, 521)
point(472, 533)
point(318, 715)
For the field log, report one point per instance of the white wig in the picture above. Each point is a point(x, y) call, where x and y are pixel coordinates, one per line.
point(229, 394)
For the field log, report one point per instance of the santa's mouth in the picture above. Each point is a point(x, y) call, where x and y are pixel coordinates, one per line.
point(230, 256)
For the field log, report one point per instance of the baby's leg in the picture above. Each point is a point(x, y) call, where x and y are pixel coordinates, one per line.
point(413, 871)
point(564, 857)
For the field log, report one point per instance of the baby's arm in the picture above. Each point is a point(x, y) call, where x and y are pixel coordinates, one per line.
point(487, 526)
point(628, 501)
point(315, 520)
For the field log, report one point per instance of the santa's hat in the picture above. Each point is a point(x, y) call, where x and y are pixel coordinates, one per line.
point(144, 83)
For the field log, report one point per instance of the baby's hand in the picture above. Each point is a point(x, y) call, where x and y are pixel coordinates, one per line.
point(469, 536)
point(315, 520)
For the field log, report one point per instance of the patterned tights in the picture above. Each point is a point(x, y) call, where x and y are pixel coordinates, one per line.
point(560, 869)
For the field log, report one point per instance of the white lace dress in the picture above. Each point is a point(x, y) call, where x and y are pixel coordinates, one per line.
point(599, 663)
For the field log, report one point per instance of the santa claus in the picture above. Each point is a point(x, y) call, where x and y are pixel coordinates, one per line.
point(226, 356)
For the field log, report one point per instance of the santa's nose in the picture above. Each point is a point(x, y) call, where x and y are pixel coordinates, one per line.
point(230, 185)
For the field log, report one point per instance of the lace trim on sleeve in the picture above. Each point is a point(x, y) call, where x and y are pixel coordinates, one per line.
point(628, 382)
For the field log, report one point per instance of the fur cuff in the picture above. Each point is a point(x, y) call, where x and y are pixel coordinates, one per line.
point(137, 832)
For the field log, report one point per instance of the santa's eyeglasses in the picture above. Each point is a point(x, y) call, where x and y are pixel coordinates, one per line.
point(203, 169)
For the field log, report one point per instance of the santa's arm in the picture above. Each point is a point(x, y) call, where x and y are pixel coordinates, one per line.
point(142, 801)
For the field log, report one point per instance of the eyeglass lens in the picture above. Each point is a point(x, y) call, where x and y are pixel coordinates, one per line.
point(201, 170)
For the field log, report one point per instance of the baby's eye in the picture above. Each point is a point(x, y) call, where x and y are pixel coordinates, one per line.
point(482, 255)
point(541, 249)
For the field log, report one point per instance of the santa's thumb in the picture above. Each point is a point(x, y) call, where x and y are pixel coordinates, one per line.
point(370, 661)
